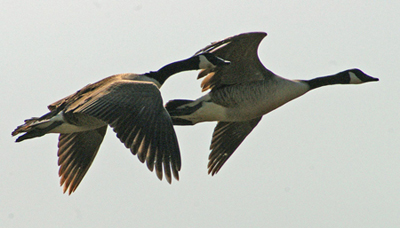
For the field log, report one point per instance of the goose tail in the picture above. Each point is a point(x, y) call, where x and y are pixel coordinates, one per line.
point(34, 127)
point(178, 108)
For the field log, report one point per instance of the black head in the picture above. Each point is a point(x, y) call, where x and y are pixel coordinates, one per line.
point(209, 61)
point(200, 61)
point(357, 76)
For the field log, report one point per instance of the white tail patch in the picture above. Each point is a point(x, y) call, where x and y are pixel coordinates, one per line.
point(209, 111)
point(354, 79)
point(204, 98)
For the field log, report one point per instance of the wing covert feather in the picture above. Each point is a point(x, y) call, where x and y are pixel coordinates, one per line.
point(241, 51)
point(136, 113)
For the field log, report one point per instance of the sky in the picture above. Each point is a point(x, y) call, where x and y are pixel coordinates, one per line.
point(327, 159)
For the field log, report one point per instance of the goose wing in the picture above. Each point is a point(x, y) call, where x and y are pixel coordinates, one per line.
point(58, 103)
point(84, 92)
point(226, 138)
point(241, 51)
point(75, 155)
point(136, 113)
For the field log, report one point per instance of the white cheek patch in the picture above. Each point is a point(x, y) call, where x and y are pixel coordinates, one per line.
point(354, 79)
point(204, 63)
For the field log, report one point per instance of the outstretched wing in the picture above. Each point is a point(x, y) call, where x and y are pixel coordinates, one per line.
point(226, 139)
point(136, 113)
point(75, 155)
point(241, 51)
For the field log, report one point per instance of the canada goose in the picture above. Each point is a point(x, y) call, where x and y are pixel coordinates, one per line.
point(132, 105)
point(242, 93)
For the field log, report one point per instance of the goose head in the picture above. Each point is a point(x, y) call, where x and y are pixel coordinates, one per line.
point(206, 61)
point(210, 61)
point(351, 76)
point(356, 76)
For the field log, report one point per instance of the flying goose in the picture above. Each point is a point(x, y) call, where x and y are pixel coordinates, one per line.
point(242, 93)
point(132, 105)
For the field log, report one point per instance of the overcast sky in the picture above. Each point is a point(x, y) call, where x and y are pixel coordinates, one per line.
point(328, 159)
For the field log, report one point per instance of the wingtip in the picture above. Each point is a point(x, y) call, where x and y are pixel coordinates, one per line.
point(65, 188)
point(260, 34)
point(150, 165)
point(14, 133)
point(212, 172)
point(70, 191)
point(176, 173)
point(169, 179)
point(159, 174)
point(22, 138)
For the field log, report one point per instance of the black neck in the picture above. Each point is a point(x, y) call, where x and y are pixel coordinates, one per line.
point(340, 78)
point(168, 70)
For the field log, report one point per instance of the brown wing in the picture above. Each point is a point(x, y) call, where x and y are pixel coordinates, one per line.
point(75, 155)
point(136, 113)
point(82, 93)
point(226, 139)
point(241, 51)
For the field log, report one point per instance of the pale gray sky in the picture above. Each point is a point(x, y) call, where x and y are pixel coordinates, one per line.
point(329, 159)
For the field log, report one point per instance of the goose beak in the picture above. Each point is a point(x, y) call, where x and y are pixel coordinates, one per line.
point(368, 78)
point(372, 79)
point(361, 76)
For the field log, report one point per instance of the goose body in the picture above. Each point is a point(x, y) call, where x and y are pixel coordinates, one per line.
point(242, 93)
point(229, 104)
point(132, 105)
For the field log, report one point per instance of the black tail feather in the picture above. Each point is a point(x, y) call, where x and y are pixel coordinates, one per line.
point(175, 110)
point(32, 134)
point(37, 132)
point(179, 121)
point(172, 105)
